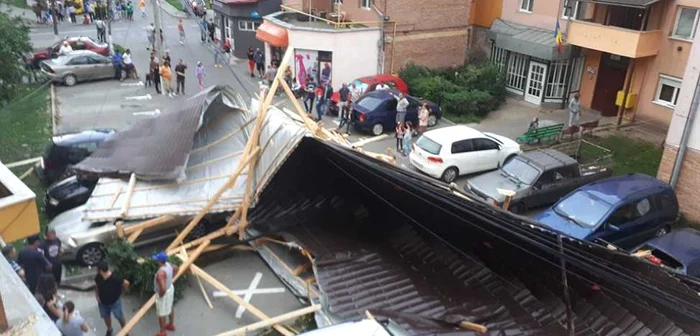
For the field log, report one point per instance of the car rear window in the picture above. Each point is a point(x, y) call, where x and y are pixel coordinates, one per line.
point(62, 59)
point(370, 103)
point(428, 145)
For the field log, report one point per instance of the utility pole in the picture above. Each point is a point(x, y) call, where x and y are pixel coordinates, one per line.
point(156, 21)
point(109, 26)
point(54, 19)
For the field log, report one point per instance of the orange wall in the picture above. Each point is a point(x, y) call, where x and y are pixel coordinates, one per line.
point(483, 12)
point(19, 221)
point(544, 13)
point(588, 79)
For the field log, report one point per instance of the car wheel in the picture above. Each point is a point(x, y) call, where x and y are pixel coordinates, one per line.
point(450, 174)
point(662, 231)
point(517, 208)
point(432, 120)
point(91, 254)
point(377, 129)
point(70, 80)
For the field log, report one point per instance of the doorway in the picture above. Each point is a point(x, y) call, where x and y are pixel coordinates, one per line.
point(535, 83)
point(611, 79)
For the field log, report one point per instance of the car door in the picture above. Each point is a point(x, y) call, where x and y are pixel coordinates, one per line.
point(541, 188)
point(387, 114)
point(566, 179)
point(81, 67)
point(102, 67)
point(629, 225)
point(462, 156)
point(487, 153)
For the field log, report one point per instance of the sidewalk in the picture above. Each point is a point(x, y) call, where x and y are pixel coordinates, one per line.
point(24, 13)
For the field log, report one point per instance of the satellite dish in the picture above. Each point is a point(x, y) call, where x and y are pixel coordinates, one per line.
point(255, 15)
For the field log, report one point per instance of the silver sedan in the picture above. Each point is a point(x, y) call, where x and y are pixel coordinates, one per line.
point(78, 66)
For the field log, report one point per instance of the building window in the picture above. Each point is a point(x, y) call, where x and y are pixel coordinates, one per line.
point(573, 5)
point(686, 23)
point(577, 68)
point(517, 72)
point(366, 4)
point(667, 92)
point(526, 5)
point(248, 25)
point(556, 81)
point(499, 56)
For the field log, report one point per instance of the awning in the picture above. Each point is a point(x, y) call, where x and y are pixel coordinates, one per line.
point(527, 40)
point(274, 35)
point(625, 3)
point(239, 2)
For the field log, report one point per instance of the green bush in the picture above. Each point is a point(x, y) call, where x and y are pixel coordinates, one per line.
point(433, 88)
point(118, 48)
point(484, 77)
point(468, 102)
point(124, 260)
point(412, 73)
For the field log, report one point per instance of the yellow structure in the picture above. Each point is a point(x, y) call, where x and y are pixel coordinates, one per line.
point(483, 12)
point(18, 213)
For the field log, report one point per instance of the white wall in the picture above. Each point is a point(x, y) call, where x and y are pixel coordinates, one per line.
point(355, 53)
point(680, 115)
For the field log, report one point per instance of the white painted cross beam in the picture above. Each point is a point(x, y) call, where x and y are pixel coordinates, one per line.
point(146, 97)
point(252, 290)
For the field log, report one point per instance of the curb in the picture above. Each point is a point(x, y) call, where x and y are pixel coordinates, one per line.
point(172, 11)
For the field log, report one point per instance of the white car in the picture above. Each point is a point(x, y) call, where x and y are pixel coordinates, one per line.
point(449, 152)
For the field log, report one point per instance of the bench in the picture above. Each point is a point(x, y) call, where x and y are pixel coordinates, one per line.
point(588, 126)
point(546, 132)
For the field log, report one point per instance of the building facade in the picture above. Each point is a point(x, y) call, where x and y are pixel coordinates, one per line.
point(687, 182)
point(238, 20)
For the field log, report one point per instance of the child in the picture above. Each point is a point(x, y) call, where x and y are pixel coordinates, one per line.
point(199, 71)
point(407, 135)
point(399, 137)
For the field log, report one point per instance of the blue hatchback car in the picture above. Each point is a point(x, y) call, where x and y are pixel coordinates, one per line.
point(678, 251)
point(375, 112)
point(623, 210)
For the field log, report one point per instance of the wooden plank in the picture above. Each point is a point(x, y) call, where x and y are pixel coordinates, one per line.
point(370, 140)
point(144, 309)
point(273, 320)
point(115, 197)
point(203, 212)
point(120, 229)
point(148, 224)
point(26, 173)
point(199, 281)
point(482, 329)
point(135, 235)
point(129, 194)
point(252, 309)
point(23, 162)
point(211, 236)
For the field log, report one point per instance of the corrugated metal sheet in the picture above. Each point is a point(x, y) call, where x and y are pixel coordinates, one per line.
point(625, 3)
point(404, 247)
point(214, 154)
point(527, 40)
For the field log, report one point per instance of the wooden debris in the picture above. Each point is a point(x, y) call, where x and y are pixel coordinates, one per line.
point(115, 197)
point(26, 173)
point(370, 140)
point(129, 194)
point(473, 327)
point(23, 162)
point(268, 322)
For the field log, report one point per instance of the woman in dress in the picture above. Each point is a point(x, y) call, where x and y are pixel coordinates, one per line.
point(407, 135)
point(199, 71)
point(399, 137)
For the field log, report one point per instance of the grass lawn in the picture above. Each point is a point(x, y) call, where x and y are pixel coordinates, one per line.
point(24, 131)
point(177, 4)
point(629, 155)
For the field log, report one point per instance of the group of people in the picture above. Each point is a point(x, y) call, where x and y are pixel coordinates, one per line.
point(160, 75)
point(38, 264)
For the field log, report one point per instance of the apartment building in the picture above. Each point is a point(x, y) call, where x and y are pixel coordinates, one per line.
point(352, 38)
point(684, 172)
point(239, 20)
point(616, 52)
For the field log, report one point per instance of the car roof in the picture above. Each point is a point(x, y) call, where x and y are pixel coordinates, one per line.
point(379, 78)
point(682, 244)
point(387, 94)
point(82, 52)
point(448, 135)
point(616, 189)
point(548, 158)
point(80, 137)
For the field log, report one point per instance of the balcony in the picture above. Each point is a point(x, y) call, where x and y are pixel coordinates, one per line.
point(614, 40)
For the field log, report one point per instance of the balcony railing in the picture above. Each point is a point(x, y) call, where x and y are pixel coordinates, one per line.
point(614, 40)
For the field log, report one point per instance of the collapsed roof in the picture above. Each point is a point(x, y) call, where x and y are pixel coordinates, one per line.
point(406, 247)
point(182, 157)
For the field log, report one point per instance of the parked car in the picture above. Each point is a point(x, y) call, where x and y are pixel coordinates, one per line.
point(66, 150)
point(79, 66)
point(623, 210)
point(678, 251)
point(539, 177)
point(85, 241)
point(68, 194)
point(369, 84)
point(76, 43)
point(375, 112)
point(449, 152)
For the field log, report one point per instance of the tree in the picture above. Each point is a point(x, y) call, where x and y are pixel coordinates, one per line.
point(14, 43)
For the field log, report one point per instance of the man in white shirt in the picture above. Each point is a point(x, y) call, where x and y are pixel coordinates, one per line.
point(355, 93)
point(401, 108)
point(382, 86)
point(65, 48)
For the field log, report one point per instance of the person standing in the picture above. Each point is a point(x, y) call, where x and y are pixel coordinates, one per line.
point(310, 94)
point(167, 77)
point(151, 34)
point(91, 10)
point(117, 62)
point(100, 31)
point(10, 254)
point(251, 61)
point(574, 110)
point(180, 30)
point(343, 97)
point(259, 62)
point(401, 107)
point(351, 118)
point(203, 29)
point(65, 48)
point(129, 11)
point(142, 5)
point(71, 324)
point(129, 65)
point(33, 262)
point(52, 252)
point(199, 72)
point(327, 94)
point(180, 76)
point(423, 116)
point(217, 54)
point(407, 135)
point(108, 292)
point(165, 292)
point(226, 46)
point(399, 137)
point(212, 29)
point(168, 59)
point(155, 74)
point(355, 93)
point(71, 13)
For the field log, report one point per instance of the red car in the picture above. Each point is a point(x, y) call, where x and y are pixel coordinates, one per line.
point(77, 43)
point(369, 84)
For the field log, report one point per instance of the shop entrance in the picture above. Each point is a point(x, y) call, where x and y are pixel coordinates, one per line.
point(611, 79)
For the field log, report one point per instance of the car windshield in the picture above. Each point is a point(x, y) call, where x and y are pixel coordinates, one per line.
point(521, 170)
point(428, 145)
point(582, 208)
point(360, 85)
point(370, 103)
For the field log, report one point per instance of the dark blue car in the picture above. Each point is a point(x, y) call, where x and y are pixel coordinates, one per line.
point(678, 251)
point(623, 210)
point(375, 112)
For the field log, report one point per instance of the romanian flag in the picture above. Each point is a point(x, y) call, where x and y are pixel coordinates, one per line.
point(557, 36)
